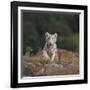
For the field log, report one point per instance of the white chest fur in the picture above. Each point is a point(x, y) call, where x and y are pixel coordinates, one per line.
point(50, 52)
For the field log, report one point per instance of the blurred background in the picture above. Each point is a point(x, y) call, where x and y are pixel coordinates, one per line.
point(36, 23)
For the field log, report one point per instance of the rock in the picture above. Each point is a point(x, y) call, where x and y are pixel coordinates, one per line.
point(31, 69)
point(67, 64)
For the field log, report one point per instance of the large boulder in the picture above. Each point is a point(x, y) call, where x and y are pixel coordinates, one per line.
point(36, 65)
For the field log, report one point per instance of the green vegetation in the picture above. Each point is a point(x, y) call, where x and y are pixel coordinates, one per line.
point(35, 24)
point(29, 50)
point(71, 42)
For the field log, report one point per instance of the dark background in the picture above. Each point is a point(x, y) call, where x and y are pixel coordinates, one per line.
point(35, 24)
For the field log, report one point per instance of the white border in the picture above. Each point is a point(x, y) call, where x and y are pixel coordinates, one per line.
point(81, 47)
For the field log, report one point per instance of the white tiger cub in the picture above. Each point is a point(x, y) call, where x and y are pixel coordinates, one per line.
point(50, 48)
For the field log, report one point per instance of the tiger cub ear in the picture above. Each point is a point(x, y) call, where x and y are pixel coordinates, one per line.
point(55, 35)
point(46, 34)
